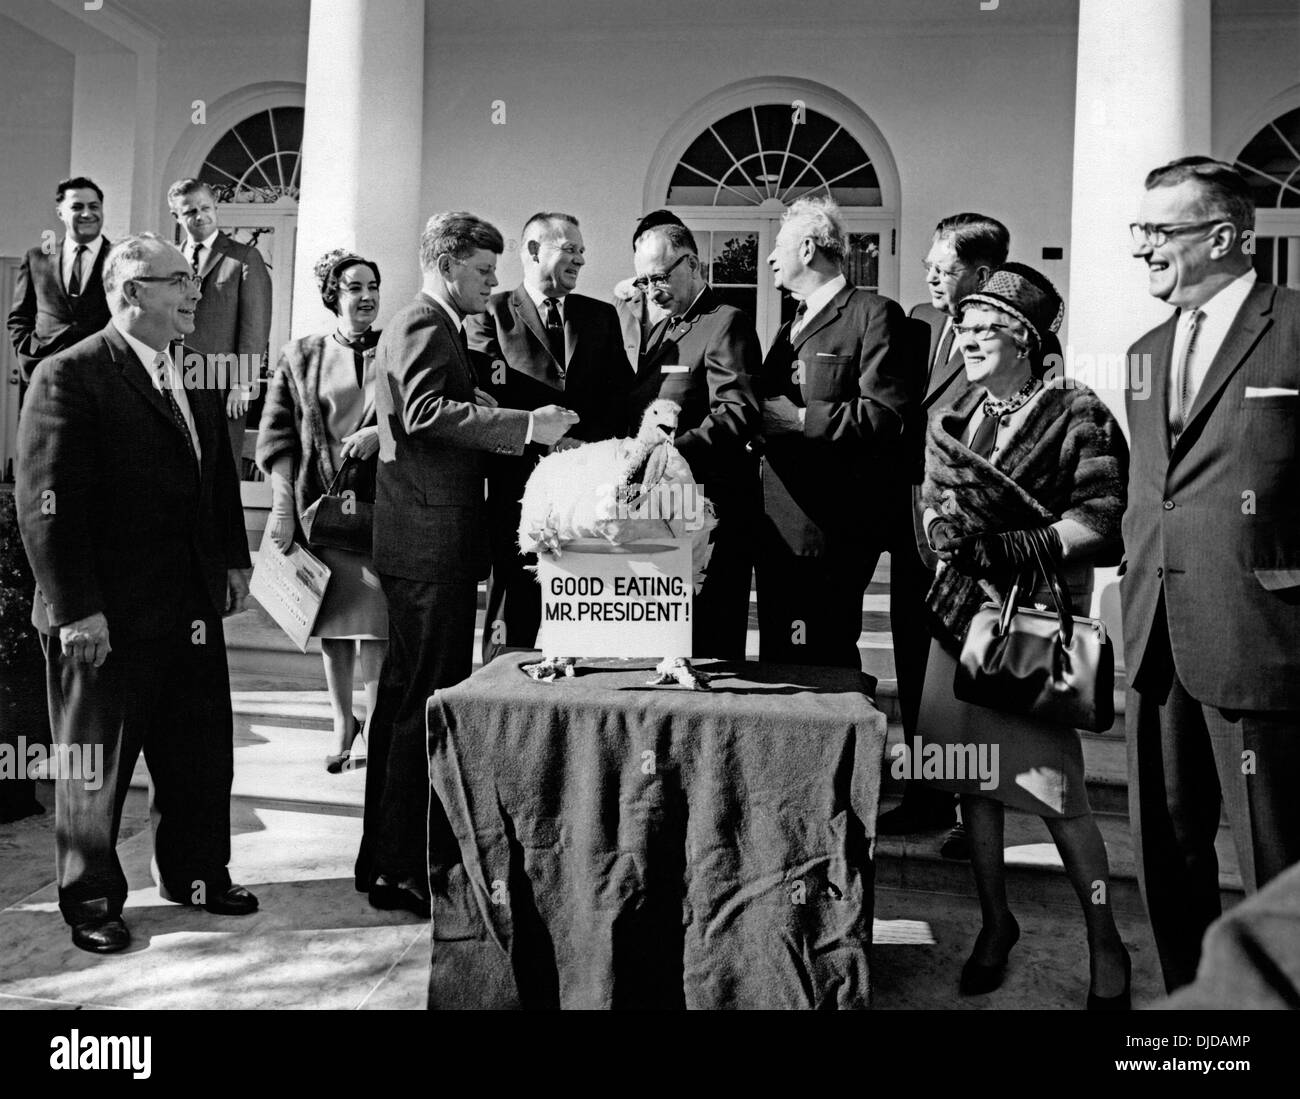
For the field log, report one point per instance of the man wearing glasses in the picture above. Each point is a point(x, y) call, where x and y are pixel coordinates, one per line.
point(129, 508)
point(541, 344)
point(234, 314)
point(705, 355)
point(1210, 587)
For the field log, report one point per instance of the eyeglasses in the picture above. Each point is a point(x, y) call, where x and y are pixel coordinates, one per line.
point(1155, 235)
point(181, 280)
point(942, 272)
point(982, 332)
point(661, 279)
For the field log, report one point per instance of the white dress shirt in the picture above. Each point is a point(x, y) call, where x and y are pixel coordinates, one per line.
point(815, 302)
point(1219, 313)
point(205, 244)
point(150, 359)
point(69, 254)
point(539, 298)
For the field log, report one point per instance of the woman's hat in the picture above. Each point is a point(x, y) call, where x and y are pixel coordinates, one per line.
point(1023, 293)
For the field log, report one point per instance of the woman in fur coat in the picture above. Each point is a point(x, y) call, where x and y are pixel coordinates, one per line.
point(1017, 452)
point(320, 412)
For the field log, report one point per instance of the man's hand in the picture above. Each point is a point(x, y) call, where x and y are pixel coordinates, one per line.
point(360, 444)
point(943, 538)
point(484, 398)
point(86, 639)
point(550, 424)
point(237, 401)
point(781, 417)
point(236, 591)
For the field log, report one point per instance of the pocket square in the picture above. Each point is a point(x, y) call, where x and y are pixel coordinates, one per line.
point(1270, 391)
point(828, 355)
point(678, 369)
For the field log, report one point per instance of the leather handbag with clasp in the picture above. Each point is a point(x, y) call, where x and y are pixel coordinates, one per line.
point(1048, 665)
point(344, 517)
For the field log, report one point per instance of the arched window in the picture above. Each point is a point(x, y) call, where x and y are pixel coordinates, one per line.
point(1271, 162)
point(731, 165)
point(259, 160)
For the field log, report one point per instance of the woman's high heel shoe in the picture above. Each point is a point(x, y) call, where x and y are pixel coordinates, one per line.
point(976, 978)
point(1122, 1001)
point(336, 764)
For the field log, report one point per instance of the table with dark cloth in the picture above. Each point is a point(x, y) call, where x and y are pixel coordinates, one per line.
point(599, 843)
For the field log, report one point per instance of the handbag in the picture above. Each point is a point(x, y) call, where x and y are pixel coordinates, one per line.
point(344, 517)
point(1050, 666)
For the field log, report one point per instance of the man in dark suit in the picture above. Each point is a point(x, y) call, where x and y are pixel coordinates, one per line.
point(1210, 588)
point(705, 356)
point(964, 250)
point(234, 314)
point(130, 512)
point(637, 312)
point(431, 548)
point(839, 390)
point(541, 344)
point(59, 296)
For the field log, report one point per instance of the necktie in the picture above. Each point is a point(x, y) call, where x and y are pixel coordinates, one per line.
point(74, 279)
point(660, 333)
point(177, 415)
point(1182, 379)
point(196, 260)
point(555, 331)
point(800, 315)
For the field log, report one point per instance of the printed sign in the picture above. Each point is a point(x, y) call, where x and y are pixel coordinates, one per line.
point(602, 600)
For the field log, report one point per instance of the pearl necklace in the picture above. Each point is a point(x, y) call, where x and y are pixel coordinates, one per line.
point(997, 409)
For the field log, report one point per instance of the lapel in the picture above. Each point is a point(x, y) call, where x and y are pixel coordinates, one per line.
point(471, 379)
point(54, 276)
point(825, 316)
point(1162, 363)
point(135, 375)
point(95, 275)
point(1251, 321)
point(572, 327)
point(526, 312)
point(705, 303)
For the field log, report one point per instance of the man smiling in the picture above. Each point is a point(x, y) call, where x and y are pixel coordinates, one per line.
point(59, 297)
point(541, 344)
point(129, 509)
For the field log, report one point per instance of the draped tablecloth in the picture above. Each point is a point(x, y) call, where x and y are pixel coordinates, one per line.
point(599, 843)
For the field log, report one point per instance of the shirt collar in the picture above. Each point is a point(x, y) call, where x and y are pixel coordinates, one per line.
point(538, 297)
point(206, 243)
point(92, 248)
point(147, 355)
point(819, 298)
point(447, 308)
point(689, 311)
point(1229, 299)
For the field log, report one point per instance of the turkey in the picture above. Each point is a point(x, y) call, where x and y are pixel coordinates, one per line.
point(619, 491)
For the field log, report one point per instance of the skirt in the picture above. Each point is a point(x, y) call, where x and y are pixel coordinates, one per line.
point(1025, 764)
point(354, 605)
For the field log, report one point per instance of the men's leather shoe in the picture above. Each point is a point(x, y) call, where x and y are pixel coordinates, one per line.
point(903, 820)
point(234, 900)
point(106, 936)
point(406, 895)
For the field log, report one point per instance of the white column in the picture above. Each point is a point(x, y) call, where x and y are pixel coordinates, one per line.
point(362, 148)
point(104, 132)
point(1142, 98)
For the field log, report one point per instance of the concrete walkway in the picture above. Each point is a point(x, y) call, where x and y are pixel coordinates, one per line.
point(316, 943)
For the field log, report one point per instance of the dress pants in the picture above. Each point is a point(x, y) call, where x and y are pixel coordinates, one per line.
point(430, 645)
point(1186, 757)
point(514, 606)
point(810, 608)
point(170, 697)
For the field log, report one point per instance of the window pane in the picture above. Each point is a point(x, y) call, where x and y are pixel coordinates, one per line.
point(862, 264)
point(736, 263)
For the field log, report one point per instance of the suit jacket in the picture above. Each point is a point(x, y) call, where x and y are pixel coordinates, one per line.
point(234, 314)
point(44, 320)
point(115, 514)
point(709, 366)
point(430, 522)
point(1212, 522)
point(860, 384)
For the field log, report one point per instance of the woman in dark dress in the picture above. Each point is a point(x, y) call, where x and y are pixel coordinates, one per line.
point(1016, 453)
point(319, 414)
